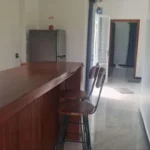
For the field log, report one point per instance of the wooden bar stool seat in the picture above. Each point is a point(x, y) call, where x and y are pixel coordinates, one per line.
point(76, 108)
point(75, 94)
point(79, 108)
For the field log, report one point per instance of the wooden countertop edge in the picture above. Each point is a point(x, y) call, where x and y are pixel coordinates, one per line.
point(9, 110)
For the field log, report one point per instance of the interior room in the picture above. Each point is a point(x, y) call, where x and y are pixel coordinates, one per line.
point(124, 49)
point(74, 75)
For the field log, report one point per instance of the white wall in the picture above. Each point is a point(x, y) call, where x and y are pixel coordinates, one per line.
point(9, 33)
point(131, 9)
point(29, 13)
point(146, 67)
point(16, 17)
point(121, 42)
point(72, 16)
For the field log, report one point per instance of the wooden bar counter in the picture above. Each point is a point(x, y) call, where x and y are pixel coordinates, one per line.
point(29, 100)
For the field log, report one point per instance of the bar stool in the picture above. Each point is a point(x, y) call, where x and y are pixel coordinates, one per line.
point(72, 94)
point(82, 109)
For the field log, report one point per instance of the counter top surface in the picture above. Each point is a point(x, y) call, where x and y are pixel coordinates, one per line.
point(18, 82)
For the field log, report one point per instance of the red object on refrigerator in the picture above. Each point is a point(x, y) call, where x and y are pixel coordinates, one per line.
point(51, 27)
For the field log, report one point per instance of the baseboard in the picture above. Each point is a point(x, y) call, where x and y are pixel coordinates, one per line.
point(144, 127)
point(122, 65)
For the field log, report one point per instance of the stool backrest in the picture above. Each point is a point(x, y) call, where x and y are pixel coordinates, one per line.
point(93, 75)
point(99, 85)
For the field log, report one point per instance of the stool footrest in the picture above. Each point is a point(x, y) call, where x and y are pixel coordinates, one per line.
point(75, 122)
point(83, 135)
point(73, 133)
point(73, 141)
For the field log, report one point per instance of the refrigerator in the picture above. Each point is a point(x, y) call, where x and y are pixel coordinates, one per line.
point(46, 45)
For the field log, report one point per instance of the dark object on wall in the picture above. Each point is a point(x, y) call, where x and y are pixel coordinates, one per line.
point(16, 55)
point(99, 10)
point(132, 45)
point(46, 45)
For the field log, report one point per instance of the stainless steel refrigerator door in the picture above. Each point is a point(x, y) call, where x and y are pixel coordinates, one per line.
point(42, 45)
point(61, 42)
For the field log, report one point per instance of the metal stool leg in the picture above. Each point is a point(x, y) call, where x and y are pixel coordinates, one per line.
point(62, 133)
point(58, 145)
point(88, 139)
point(65, 130)
point(83, 134)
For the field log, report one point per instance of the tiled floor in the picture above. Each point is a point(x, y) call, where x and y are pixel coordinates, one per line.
point(117, 124)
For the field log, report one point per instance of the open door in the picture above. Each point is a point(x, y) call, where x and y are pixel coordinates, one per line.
point(101, 41)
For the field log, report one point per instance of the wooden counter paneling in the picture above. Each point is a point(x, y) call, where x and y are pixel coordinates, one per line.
point(20, 86)
point(28, 114)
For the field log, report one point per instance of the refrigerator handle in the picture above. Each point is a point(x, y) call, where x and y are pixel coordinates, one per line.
point(62, 56)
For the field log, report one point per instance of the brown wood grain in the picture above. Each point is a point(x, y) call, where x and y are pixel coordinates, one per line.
point(20, 86)
point(31, 121)
point(11, 130)
point(2, 138)
point(76, 108)
point(50, 119)
point(73, 83)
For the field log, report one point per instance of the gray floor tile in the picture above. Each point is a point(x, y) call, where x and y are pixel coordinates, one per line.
point(117, 124)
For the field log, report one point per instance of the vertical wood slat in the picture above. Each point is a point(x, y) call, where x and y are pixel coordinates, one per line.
point(74, 83)
point(2, 138)
point(11, 130)
point(33, 128)
point(30, 126)
point(36, 126)
point(50, 119)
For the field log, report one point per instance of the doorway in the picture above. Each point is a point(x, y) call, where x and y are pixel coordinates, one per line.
point(124, 37)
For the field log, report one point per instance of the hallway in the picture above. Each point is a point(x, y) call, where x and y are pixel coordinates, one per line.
point(117, 124)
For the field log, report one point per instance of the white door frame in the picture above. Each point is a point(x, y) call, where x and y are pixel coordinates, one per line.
point(95, 43)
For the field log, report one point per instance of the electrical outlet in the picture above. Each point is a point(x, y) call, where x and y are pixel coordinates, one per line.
point(17, 55)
